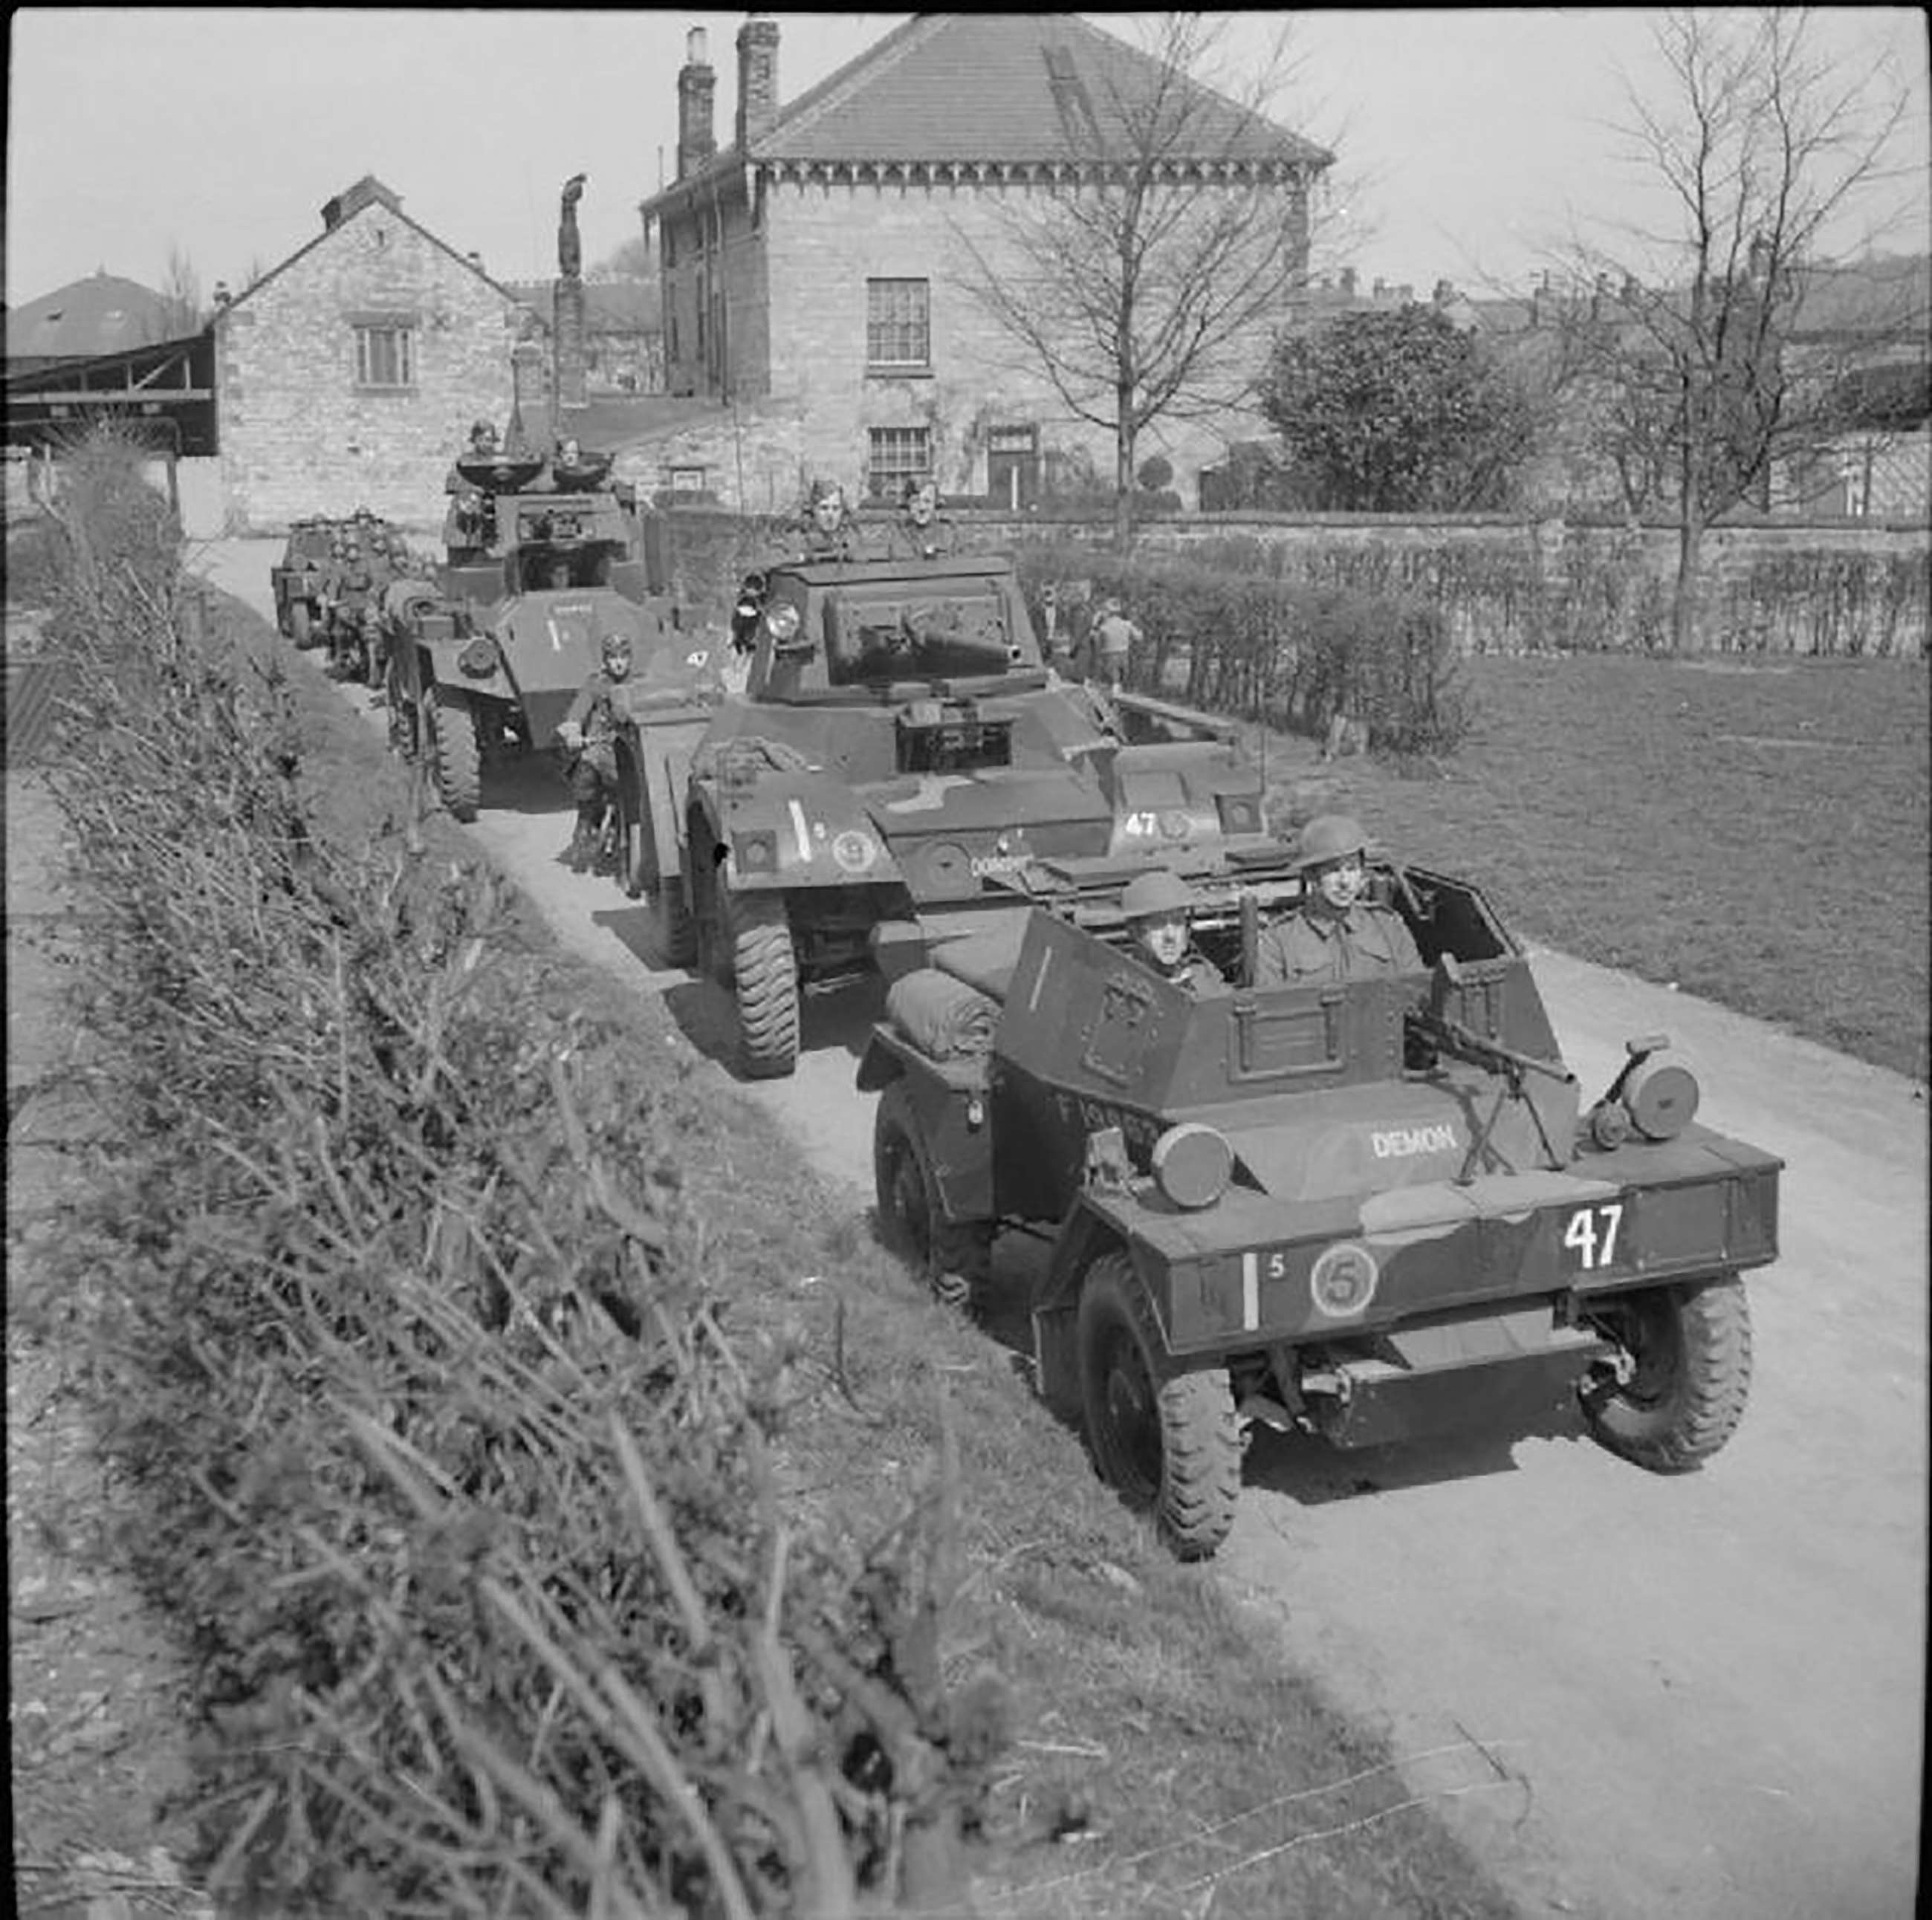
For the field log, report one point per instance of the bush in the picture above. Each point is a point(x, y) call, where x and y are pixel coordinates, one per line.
point(406, 1338)
point(1242, 643)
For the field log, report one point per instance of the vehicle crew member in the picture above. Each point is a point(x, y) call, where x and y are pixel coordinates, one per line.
point(828, 533)
point(1157, 905)
point(1337, 932)
point(921, 533)
point(589, 732)
point(465, 528)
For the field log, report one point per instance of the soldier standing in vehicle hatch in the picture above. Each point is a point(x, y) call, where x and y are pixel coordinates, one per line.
point(921, 533)
point(1337, 932)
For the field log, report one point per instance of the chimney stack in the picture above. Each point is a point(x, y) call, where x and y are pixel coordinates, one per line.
point(757, 78)
point(697, 84)
point(1349, 282)
point(1445, 292)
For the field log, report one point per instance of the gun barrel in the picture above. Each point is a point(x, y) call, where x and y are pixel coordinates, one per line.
point(1453, 1034)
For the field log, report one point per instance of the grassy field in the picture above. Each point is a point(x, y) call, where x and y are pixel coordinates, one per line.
point(1755, 832)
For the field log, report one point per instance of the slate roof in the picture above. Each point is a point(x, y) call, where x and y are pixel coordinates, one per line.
point(1012, 87)
point(101, 314)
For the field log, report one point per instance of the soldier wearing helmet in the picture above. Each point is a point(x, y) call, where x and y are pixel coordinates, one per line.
point(588, 733)
point(1157, 905)
point(1337, 932)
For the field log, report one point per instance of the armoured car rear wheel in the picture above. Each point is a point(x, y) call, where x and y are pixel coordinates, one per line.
point(302, 629)
point(764, 975)
point(1167, 1440)
point(954, 1256)
point(1690, 1346)
point(459, 761)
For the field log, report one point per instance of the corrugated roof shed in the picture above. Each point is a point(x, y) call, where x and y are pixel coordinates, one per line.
point(101, 314)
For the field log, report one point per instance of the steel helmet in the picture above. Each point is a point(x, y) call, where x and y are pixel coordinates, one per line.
point(614, 644)
point(1331, 836)
point(1161, 892)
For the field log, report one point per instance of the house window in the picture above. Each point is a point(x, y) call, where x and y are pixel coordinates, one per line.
point(897, 454)
point(385, 357)
point(687, 479)
point(898, 326)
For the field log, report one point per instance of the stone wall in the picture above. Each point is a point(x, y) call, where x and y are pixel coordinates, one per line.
point(299, 435)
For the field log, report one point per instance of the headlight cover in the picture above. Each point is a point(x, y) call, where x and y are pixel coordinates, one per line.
point(1191, 1164)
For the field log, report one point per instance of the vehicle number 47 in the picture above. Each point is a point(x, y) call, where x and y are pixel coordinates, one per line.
point(1592, 1234)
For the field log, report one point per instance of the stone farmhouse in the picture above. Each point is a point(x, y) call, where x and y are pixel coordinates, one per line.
point(346, 376)
point(815, 273)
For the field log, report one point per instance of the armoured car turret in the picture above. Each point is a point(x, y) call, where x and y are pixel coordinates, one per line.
point(541, 565)
point(1373, 1211)
point(899, 747)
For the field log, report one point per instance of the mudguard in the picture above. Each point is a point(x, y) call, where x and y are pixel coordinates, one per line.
point(784, 827)
point(658, 743)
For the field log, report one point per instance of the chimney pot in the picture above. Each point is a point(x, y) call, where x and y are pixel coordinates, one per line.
point(758, 77)
point(697, 86)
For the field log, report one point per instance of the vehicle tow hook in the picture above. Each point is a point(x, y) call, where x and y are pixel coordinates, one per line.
point(1617, 1365)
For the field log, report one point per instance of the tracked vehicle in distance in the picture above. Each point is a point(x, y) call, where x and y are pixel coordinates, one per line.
point(1373, 1211)
point(541, 566)
point(900, 746)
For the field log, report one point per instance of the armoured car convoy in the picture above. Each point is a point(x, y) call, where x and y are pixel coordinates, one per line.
point(1368, 1211)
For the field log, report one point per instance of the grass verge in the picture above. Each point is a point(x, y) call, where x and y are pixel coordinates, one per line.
point(1753, 833)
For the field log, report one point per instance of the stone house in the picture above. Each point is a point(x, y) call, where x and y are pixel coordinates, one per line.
point(816, 270)
point(347, 376)
point(623, 336)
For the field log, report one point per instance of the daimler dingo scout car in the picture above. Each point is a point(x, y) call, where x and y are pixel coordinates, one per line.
point(296, 580)
point(1371, 1211)
point(495, 648)
point(900, 744)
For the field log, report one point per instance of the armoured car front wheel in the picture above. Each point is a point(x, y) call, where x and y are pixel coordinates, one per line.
point(1689, 1350)
point(459, 761)
point(954, 1256)
point(1167, 1440)
point(764, 976)
point(302, 629)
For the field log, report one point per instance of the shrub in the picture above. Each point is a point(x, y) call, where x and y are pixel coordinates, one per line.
point(403, 1332)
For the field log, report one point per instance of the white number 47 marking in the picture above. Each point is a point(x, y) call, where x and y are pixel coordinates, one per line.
point(1592, 1233)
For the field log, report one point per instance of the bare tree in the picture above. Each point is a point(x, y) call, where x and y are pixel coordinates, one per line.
point(1141, 276)
point(1765, 147)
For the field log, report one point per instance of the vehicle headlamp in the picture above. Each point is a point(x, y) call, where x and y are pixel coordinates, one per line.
point(781, 621)
point(479, 659)
point(1192, 1165)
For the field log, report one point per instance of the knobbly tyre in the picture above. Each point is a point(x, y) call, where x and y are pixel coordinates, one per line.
point(297, 581)
point(898, 746)
point(492, 652)
point(1373, 1211)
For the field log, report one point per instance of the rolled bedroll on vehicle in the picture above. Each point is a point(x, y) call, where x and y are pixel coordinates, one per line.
point(1376, 1210)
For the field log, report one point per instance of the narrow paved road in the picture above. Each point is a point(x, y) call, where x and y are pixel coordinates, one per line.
point(1638, 1696)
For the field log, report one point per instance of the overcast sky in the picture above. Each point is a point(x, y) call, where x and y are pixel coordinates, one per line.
point(1467, 139)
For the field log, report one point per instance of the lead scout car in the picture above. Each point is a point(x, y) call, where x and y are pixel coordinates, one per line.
point(1369, 1211)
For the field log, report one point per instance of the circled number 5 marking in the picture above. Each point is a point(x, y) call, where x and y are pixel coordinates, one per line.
point(1592, 1234)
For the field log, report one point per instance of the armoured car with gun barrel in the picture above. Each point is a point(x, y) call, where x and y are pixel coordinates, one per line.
point(900, 745)
point(1373, 1210)
point(543, 563)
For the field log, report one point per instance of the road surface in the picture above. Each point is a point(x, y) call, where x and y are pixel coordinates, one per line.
point(1636, 1696)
